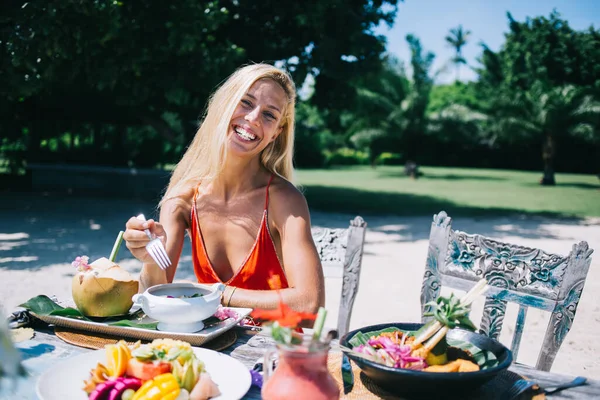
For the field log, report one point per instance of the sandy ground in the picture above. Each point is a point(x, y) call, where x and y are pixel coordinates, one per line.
point(40, 235)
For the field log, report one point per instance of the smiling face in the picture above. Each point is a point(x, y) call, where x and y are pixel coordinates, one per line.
point(257, 120)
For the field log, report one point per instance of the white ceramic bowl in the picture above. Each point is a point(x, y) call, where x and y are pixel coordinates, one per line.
point(176, 313)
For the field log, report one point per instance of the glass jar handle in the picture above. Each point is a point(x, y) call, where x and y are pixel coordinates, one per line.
point(268, 363)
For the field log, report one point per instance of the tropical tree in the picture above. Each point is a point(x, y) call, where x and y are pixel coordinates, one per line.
point(418, 99)
point(444, 95)
point(457, 38)
point(541, 84)
point(116, 74)
point(382, 103)
point(542, 49)
point(551, 114)
point(399, 118)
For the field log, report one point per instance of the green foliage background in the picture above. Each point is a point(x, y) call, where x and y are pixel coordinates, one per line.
point(125, 84)
point(106, 82)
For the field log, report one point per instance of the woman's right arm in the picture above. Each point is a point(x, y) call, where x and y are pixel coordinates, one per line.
point(170, 230)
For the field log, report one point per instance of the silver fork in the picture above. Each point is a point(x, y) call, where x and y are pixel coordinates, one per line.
point(522, 385)
point(519, 387)
point(155, 248)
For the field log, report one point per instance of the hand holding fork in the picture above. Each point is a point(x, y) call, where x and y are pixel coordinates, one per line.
point(137, 227)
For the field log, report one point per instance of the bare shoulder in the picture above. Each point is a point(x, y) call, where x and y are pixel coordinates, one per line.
point(285, 200)
point(177, 208)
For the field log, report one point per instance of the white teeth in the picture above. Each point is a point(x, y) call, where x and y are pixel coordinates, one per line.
point(244, 134)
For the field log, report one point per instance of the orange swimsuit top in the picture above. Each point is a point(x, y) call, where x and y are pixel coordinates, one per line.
point(261, 263)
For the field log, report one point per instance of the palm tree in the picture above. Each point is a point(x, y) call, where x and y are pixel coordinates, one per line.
point(382, 104)
point(457, 38)
point(395, 106)
point(551, 114)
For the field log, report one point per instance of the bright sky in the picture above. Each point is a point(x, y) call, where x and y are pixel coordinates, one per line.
point(431, 20)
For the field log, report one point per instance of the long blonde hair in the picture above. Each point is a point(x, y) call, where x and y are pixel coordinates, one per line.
point(204, 158)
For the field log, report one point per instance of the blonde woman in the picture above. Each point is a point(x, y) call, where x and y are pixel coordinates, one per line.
point(231, 191)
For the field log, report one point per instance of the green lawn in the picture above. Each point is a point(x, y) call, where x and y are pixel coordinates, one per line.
point(459, 191)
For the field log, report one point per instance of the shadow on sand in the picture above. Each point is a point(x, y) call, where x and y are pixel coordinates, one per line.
point(381, 211)
point(575, 185)
point(353, 201)
point(444, 177)
point(38, 231)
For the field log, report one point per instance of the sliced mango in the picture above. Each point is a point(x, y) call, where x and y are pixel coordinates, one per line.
point(117, 358)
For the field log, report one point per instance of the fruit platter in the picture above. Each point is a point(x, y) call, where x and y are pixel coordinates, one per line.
point(163, 369)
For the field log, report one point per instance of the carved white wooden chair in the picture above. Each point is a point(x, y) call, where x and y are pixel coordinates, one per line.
point(526, 276)
point(342, 250)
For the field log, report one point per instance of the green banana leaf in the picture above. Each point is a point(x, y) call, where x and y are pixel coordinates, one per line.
point(43, 305)
point(363, 338)
point(485, 359)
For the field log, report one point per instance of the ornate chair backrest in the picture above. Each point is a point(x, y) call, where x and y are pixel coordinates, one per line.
point(342, 250)
point(526, 276)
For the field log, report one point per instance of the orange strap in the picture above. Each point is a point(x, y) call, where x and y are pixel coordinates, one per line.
point(261, 264)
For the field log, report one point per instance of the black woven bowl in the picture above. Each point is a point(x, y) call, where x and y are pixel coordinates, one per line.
point(419, 383)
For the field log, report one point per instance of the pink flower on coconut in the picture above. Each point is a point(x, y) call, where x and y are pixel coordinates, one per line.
point(81, 263)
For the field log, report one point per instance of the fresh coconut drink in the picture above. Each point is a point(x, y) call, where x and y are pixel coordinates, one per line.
point(103, 288)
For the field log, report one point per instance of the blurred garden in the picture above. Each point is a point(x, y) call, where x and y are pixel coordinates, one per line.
point(124, 84)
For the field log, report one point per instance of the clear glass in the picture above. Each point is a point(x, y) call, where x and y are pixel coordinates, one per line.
point(301, 373)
